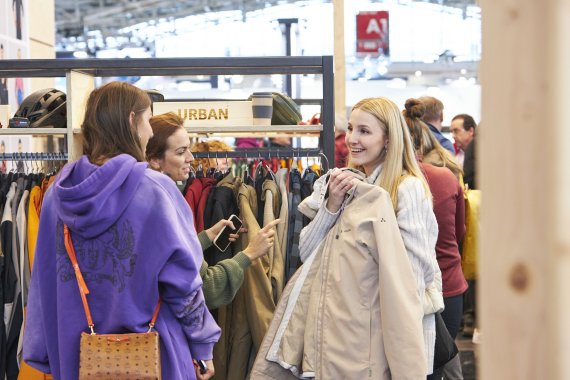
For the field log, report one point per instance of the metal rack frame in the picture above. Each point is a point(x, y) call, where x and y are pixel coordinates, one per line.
point(80, 74)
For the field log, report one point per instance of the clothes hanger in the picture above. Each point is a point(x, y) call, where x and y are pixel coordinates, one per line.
point(321, 156)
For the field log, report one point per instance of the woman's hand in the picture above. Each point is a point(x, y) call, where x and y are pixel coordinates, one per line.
point(213, 231)
point(209, 372)
point(339, 185)
point(260, 244)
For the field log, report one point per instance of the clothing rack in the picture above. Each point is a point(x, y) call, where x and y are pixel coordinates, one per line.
point(31, 156)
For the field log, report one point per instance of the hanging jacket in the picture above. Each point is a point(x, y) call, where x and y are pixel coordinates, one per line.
point(272, 198)
point(207, 185)
point(282, 227)
point(292, 260)
point(126, 267)
point(221, 204)
point(235, 350)
point(192, 197)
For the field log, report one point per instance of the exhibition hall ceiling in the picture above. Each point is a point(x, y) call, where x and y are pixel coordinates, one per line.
point(74, 18)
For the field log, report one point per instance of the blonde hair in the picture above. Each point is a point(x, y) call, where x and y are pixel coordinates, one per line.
point(209, 146)
point(400, 160)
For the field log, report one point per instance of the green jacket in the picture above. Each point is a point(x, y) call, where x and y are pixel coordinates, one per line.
point(221, 281)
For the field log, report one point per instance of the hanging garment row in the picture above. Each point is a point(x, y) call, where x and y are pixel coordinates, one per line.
point(21, 196)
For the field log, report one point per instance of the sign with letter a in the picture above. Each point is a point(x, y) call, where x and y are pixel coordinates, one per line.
point(372, 33)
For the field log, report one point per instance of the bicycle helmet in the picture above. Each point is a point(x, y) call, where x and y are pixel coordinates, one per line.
point(44, 108)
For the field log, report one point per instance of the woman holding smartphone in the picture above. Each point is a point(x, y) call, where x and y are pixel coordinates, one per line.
point(168, 151)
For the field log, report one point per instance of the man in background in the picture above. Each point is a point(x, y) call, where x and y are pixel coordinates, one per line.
point(463, 132)
point(433, 117)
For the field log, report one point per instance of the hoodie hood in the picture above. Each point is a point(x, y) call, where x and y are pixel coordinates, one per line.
point(90, 198)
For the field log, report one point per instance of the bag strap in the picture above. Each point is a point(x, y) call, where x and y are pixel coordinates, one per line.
point(83, 290)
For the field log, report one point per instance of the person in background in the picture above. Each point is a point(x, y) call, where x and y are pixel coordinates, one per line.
point(463, 132)
point(221, 164)
point(3, 83)
point(19, 84)
point(433, 117)
point(131, 255)
point(340, 148)
point(470, 300)
point(469, 164)
point(449, 209)
point(168, 152)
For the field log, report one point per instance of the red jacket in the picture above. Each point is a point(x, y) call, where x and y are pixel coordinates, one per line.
point(340, 151)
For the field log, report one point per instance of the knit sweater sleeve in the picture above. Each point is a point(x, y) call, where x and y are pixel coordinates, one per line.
point(222, 281)
point(205, 241)
point(314, 232)
point(419, 230)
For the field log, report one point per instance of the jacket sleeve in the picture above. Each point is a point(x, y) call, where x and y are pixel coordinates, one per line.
point(460, 216)
point(401, 313)
point(418, 228)
point(222, 281)
point(35, 347)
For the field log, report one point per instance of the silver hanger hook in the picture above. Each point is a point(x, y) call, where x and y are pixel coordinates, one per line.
point(321, 156)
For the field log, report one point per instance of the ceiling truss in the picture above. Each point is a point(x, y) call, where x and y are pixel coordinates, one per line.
point(76, 18)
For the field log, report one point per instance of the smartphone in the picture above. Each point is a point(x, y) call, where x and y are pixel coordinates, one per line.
point(203, 366)
point(222, 240)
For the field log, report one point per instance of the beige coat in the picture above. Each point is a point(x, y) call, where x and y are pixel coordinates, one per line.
point(358, 314)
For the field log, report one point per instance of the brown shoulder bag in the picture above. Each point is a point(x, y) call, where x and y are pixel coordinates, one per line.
point(114, 356)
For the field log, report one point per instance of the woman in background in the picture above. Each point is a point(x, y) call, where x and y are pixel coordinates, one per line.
point(449, 209)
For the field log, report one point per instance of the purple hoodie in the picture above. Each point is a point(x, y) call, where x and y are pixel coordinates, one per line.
point(134, 237)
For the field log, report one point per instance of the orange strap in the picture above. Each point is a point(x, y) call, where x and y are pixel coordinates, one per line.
point(83, 286)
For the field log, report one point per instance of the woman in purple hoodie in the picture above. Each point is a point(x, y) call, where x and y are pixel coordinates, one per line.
point(129, 226)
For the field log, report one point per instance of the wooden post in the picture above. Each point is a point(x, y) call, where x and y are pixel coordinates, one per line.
point(339, 58)
point(524, 170)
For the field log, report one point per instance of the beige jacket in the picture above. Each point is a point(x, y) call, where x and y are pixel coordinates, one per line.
point(358, 314)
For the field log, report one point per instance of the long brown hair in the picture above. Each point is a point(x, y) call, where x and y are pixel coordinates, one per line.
point(163, 126)
point(106, 129)
point(425, 143)
point(400, 160)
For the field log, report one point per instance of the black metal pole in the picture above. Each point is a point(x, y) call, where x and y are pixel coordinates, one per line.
point(287, 34)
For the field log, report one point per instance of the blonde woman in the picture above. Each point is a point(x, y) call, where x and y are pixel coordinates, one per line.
point(366, 313)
